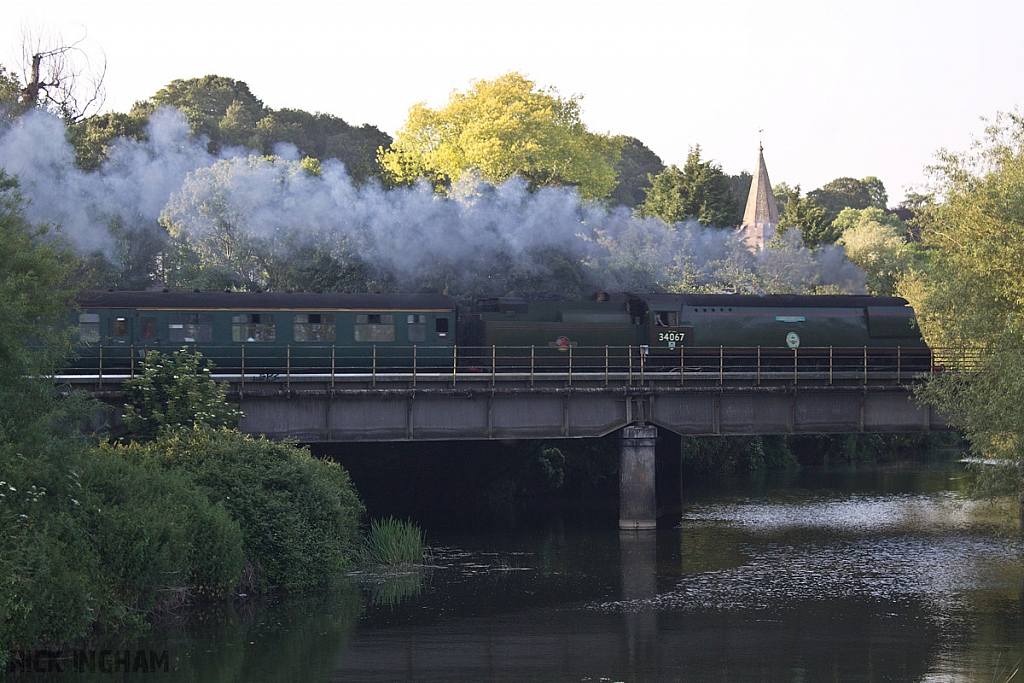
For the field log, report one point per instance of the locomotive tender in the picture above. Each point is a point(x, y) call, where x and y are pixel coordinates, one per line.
point(252, 332)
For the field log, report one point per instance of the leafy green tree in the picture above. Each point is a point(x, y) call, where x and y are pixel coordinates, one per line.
point(968, 295)
point(206, 102)
point(877, 242)
point(215, 241)
point(175, 391)
point(700, 191)
point(501, 128)
point(36, 294)
point(849, 193)
point(320, 265)
point(635, 170)
point(10, 90)
point(851, 218)
point(238, 125)
point(92, 137)
point(739, 185)
point(323, 136)
point(804, 214)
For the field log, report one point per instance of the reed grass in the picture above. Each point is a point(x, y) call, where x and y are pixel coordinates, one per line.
point(393, 542)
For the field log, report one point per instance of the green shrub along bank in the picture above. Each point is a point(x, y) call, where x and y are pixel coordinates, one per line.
point(298, 515)
point(89, 541)
point(95, 539)
point(706, 455)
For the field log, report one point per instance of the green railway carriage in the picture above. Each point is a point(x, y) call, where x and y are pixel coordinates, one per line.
point(267, 332)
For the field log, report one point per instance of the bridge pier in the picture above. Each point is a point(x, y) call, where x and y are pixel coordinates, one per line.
point(638, 508)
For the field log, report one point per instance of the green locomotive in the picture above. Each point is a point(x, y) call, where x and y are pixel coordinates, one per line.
point(700, 331)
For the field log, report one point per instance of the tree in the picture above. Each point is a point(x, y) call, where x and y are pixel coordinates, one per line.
point(804, 214)
point(968, 295)
point(498, 129)
point(843, 193)
point(700, 191)
point(10, 90)
point(206, 102)
point(227, 113)
point(739, 185)
point(323, 136)
point(61, 78)
point(35, 295)
point(635, 170)
point(175, 391)
point(328, 264)
point(92, 137)
point(877, 242)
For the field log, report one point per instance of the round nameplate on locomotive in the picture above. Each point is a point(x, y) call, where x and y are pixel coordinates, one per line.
point(793, 340)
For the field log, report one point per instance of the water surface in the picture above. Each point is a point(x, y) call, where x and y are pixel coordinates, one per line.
point(869, 575)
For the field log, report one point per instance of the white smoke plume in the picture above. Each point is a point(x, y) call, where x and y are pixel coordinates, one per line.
point(133, 185)
point(406, 232)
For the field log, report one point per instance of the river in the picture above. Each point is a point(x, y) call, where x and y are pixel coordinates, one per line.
point(878, 574)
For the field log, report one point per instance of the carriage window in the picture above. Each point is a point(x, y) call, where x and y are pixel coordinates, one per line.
point(314, 327)
point(189, 327)
point(253, 327)
point(441, 327)
point(89, 327)
point(375, 327)
point(120, 327)
point(147, 328)
point(417, 326)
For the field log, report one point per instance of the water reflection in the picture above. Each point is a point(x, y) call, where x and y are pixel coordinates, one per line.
point(638, 557)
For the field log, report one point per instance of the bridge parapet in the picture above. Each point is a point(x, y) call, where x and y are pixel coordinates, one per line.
point(517, 405)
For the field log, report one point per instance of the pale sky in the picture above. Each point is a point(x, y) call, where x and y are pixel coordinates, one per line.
point(839, 87)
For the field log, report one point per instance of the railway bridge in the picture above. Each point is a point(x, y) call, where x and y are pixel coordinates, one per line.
point(525, 403)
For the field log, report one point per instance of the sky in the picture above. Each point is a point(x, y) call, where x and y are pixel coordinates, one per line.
point(830, 88)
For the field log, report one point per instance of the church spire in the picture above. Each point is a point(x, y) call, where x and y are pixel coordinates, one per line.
point(762, 213)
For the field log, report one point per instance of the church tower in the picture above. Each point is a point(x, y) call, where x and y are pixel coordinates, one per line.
point(762, 213)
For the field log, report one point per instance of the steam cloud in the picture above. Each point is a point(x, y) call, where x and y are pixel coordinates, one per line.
point(405, 232)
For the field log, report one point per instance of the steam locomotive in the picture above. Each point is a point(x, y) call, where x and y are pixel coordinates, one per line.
point(271, 333)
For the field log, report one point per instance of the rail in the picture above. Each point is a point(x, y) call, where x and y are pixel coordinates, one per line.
point(635, 363)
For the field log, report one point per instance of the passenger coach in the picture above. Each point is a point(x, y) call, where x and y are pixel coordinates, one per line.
point(259, 332)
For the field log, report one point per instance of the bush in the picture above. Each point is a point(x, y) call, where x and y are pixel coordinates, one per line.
point(88, 539)
point(175, 391)
point(158, 535)
point(298, 515)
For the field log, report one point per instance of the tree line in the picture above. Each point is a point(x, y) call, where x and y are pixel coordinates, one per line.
point(491, 133)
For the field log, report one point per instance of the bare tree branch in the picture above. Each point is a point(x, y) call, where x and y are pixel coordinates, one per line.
point(62, 77)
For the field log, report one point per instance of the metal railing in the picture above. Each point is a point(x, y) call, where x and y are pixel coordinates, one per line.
point(635, 363)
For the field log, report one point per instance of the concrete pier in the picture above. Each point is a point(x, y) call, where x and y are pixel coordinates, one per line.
point(638, 507)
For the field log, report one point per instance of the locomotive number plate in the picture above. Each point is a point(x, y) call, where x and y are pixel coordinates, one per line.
point(671, 336)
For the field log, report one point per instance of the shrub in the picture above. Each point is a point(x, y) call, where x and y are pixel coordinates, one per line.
point(175, 391)
point(89, 539)
point(157, 535)
point(298, 515)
